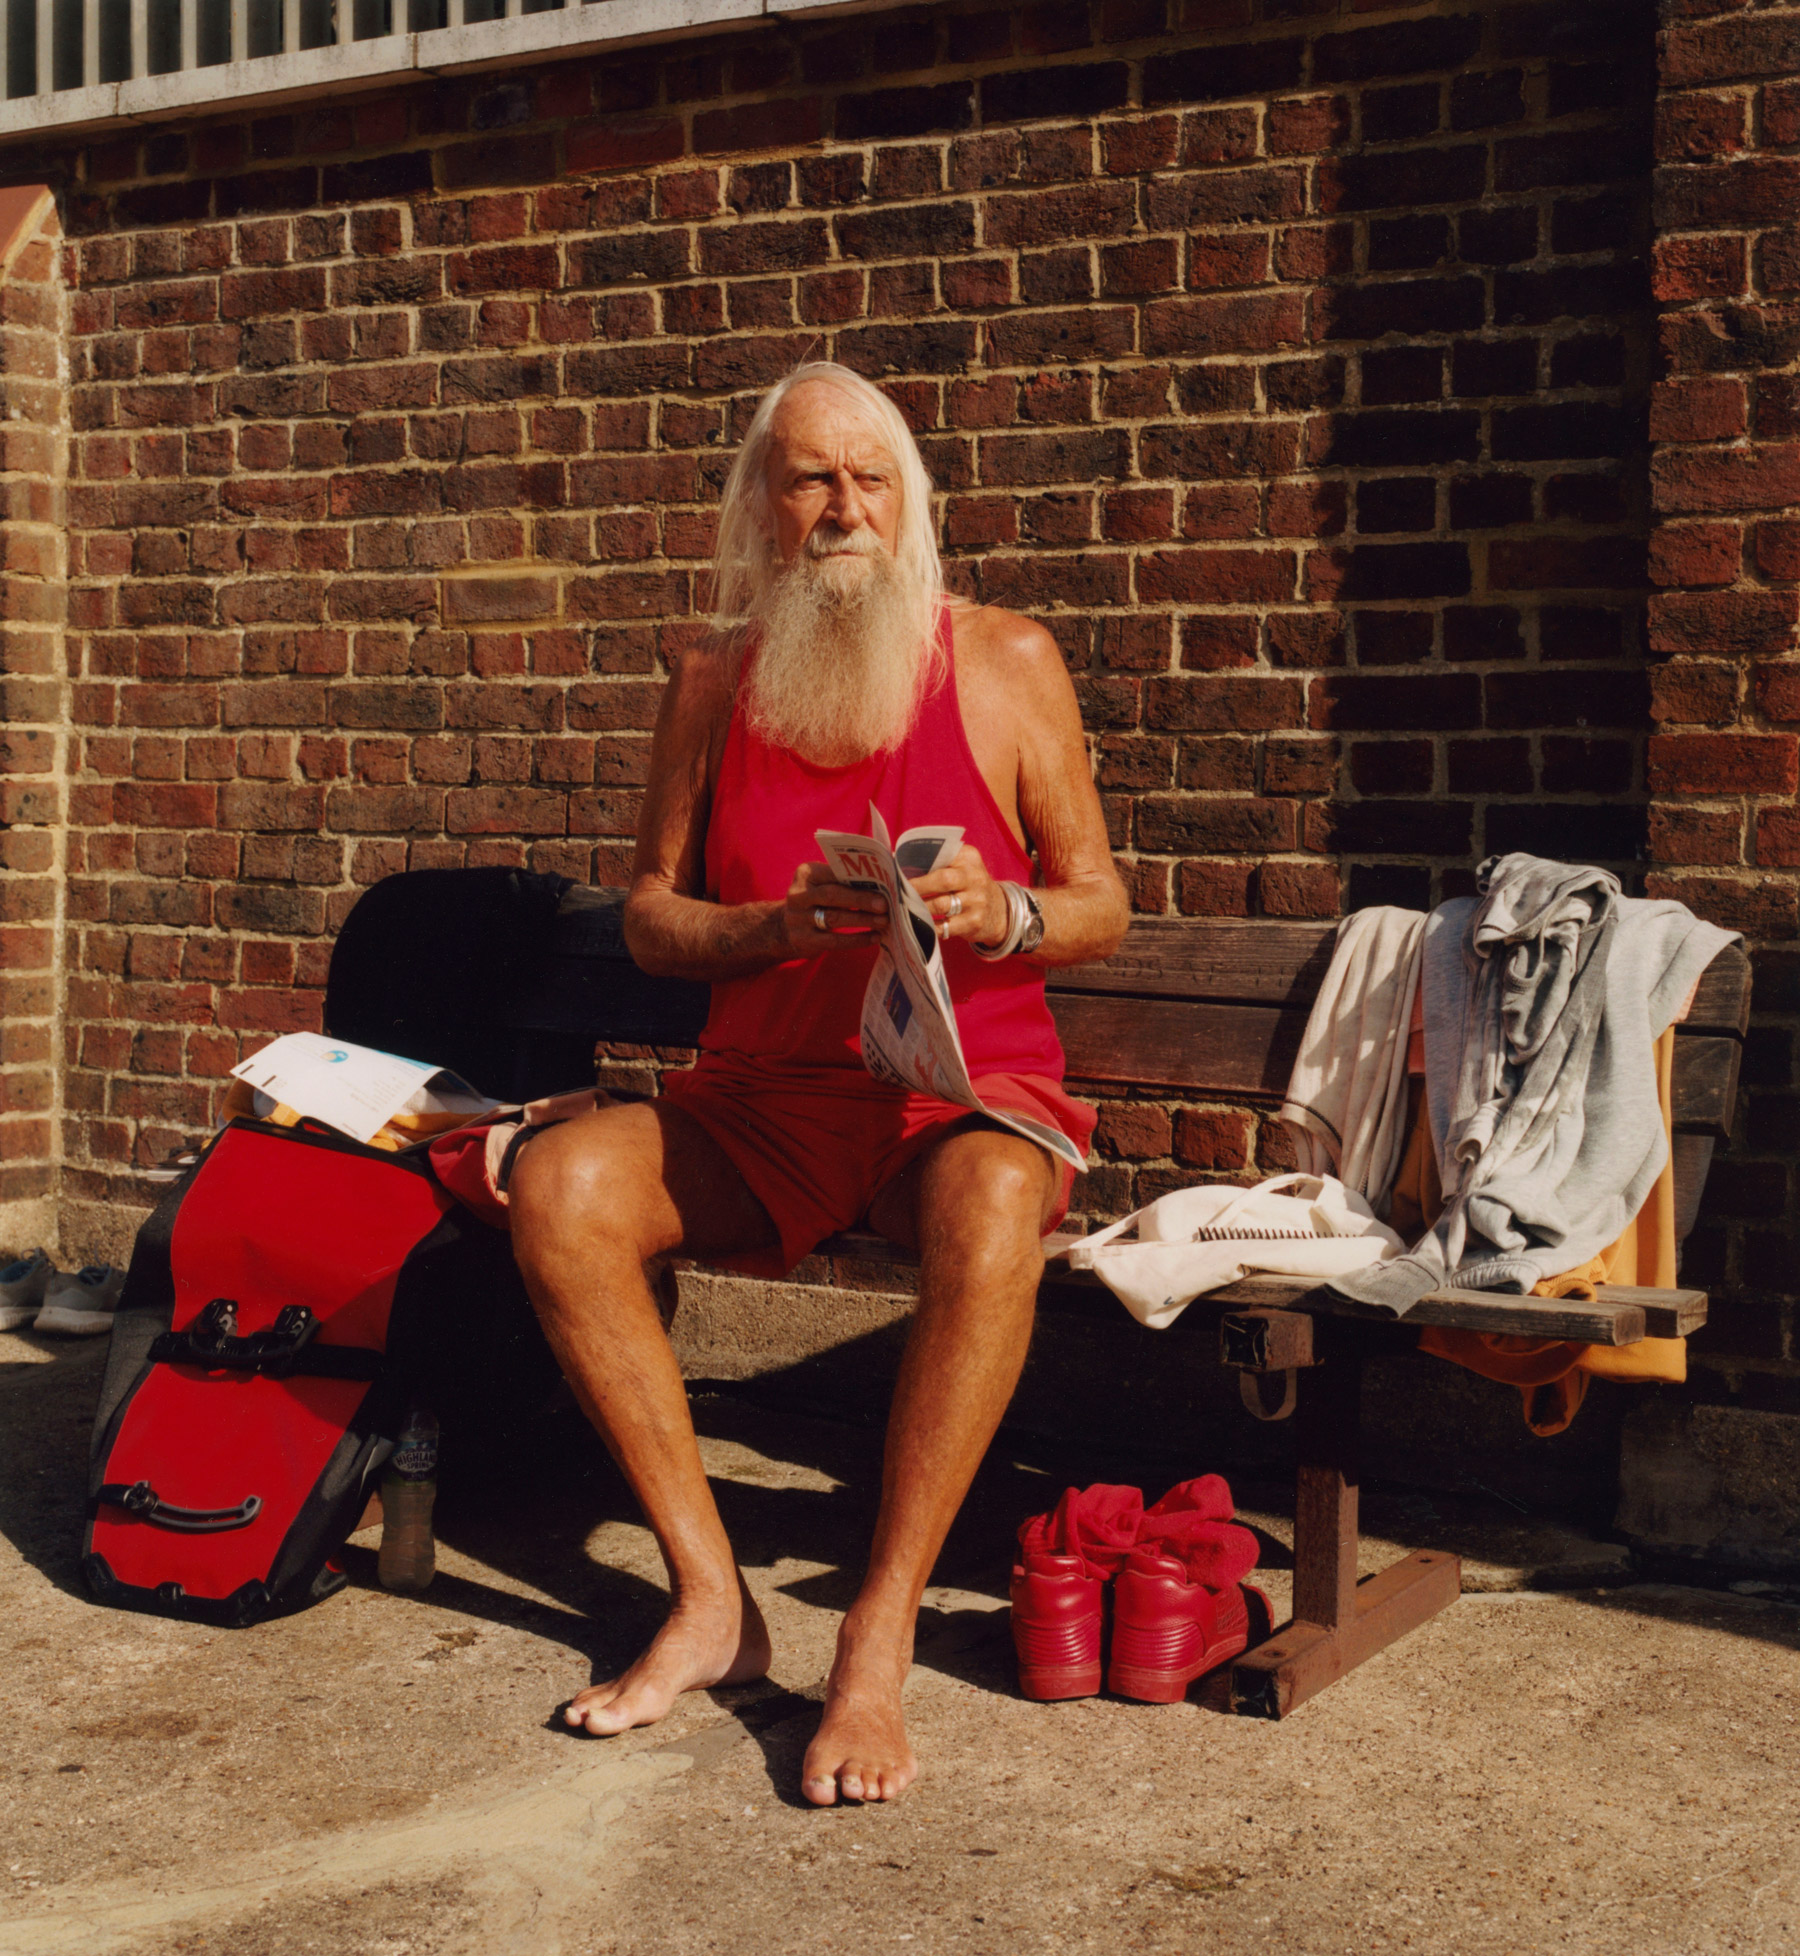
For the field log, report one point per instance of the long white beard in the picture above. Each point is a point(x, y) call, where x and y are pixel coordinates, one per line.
point(841, 654)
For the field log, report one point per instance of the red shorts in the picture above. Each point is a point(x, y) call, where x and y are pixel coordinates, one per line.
point(816, 1148)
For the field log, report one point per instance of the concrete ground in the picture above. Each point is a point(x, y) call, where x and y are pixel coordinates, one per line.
point(1608, 1767)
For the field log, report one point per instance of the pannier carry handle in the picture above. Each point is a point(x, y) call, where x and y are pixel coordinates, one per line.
point(287, 1347)
point(142, 1500)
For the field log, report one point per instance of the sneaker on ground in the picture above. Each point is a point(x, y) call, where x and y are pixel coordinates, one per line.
point(22, 1289)
point(82, 1304)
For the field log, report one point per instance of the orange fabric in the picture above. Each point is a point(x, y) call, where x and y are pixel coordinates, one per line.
point(1552, 1373)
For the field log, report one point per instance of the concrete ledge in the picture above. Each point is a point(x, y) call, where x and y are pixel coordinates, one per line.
point(1712, 1484)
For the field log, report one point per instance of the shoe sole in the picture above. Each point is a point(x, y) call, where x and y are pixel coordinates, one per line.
point(73, 1324)
point(1043, 1685)
point(14, 1316)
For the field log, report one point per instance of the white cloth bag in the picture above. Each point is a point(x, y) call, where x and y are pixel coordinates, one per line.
point(1196, 1239)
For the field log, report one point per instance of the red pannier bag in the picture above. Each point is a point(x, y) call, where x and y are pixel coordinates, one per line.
point(250, 1388)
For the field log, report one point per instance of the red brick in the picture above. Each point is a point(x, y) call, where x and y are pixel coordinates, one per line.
point(1132, 1130)
point(1695, 127)
point(1724, 763)
point(1298, 889)
point(1698, 410)
point(1765, 907)
point(1212, 1138)
point(1781, 112)
point(1696, 554)
point(1197, 327)
point(1216, 576)
point(1699, 268)
point(1737, 49)
point(1778, 691)
point(1694, 692)
point(623, 143)
point(1778, 261)
point(1731, 622)
point(1764, 477)
point(1215, 889)
point(1749, 192)
point(1682, 834)
point(1219, 703)
point(1777, 838)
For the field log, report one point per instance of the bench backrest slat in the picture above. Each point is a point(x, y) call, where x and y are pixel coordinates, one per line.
point(1187, 1005)
point(1196, 1047)
point(1217, 958)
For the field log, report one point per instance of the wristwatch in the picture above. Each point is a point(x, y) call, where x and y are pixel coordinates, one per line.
point(1033, 933)
point(1024, 925)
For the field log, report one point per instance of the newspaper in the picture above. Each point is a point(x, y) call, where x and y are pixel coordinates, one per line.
point(909, 1034)
point(355, 1089)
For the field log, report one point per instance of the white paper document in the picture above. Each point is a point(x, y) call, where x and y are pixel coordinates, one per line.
point(355, 1089)
point(909, 1034)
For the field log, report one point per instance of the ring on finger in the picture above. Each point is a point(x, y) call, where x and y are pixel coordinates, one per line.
point(955, 909)
point(819, 922)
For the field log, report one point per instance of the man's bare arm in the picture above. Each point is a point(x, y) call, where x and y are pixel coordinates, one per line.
point(1085, 908)
point(1014, 684)
point(671, 929)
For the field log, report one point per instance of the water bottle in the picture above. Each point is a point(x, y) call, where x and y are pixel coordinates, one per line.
point(408, 1556)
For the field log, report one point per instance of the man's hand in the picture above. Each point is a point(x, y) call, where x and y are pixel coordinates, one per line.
point(850, 916)
point(964, 898)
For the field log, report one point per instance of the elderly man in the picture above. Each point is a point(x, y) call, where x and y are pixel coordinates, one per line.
point(843, 678)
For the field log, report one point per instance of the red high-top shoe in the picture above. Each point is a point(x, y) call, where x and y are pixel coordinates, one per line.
point(1168, 1630)
point(1056, 1626)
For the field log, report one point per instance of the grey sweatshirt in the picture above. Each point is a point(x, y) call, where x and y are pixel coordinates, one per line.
point(1543, 1001)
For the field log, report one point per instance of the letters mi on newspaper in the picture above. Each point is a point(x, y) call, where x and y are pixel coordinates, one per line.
point(909, 1034)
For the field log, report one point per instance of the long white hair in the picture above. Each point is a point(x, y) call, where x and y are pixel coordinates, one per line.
point(747, 568)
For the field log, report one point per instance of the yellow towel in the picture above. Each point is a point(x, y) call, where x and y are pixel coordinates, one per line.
point(1552, 1373)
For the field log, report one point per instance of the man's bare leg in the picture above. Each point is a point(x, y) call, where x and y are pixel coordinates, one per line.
point(590, 1201)
point(975, 1207)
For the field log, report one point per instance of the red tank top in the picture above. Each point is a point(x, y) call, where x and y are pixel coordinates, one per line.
point(768, 801)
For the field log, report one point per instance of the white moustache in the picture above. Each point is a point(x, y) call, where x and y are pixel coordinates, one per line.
point(843, 543)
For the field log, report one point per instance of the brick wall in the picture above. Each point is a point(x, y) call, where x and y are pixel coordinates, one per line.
point(1725, 475)
point(1288, 364)
point(33, 679)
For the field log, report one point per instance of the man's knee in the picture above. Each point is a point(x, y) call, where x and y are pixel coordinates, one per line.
point(578, 1183)
point(989, 1185)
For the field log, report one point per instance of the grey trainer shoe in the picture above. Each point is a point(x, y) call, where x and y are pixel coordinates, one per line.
point(22, 1289)
point(82, 1304)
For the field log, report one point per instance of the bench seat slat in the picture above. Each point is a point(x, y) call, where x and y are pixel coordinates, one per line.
point(1621, 1315)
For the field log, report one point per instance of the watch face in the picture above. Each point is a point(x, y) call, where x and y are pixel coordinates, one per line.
point(1033, 934)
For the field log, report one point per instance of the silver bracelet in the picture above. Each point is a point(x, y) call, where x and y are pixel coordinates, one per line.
point(1018, 914)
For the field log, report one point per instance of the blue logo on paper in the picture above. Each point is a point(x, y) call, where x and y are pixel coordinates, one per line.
point(336, 1057)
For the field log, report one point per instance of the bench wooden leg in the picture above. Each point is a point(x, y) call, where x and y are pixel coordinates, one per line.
point(1337, 1621)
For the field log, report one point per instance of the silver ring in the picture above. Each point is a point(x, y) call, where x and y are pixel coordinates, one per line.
point(955, 909)
point(819, 922)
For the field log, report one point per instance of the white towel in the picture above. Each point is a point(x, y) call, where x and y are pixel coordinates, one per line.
point(1196, 1239)
point(1346, 1100)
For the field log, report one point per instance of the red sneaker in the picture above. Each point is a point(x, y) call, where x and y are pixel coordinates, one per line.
point(1168, 1630)
point(1056, 1626)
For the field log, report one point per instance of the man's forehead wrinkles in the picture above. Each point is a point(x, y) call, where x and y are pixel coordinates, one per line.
point(854, 449)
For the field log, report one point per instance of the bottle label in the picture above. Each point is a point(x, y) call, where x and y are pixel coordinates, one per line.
point(416, 1461)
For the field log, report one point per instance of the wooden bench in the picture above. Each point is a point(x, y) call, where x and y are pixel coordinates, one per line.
point(1206, 1008)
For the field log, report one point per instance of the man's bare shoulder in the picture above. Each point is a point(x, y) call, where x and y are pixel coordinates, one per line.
point(701, 687)
point(1008, 653)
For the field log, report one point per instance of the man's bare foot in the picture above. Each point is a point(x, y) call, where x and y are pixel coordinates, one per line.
point(860, 1751)
point(697, 1646)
